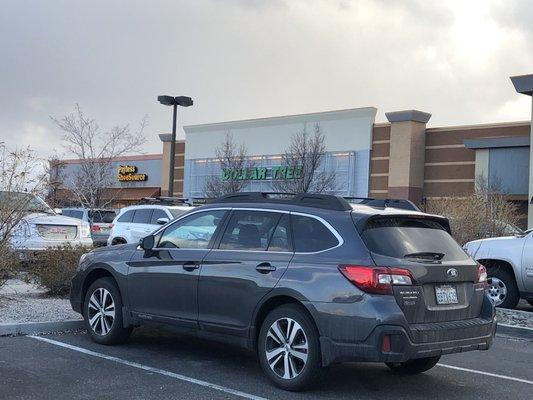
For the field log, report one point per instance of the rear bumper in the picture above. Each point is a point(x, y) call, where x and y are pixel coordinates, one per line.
point(355, 331)
point(478, 336)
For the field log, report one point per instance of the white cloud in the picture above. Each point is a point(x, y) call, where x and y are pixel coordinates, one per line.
point(244, 59)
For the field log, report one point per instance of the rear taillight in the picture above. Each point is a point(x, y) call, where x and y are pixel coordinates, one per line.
point(377, 280)
point(385, 344)
point(95, 228)
point(481, 274)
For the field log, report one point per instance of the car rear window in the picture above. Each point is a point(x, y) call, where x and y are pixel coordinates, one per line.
point(103, 216)
point(311, 235)
point(410, 238)
point(73, 214)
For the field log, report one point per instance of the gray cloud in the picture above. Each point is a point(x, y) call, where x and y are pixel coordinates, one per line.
point(244, 59)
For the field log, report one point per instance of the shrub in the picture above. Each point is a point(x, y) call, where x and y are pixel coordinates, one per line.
point(9, 264)
point(54, 268)
point(484, 213)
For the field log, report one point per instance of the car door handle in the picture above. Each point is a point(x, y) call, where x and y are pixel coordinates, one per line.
point(191, 265)
point(265, 268)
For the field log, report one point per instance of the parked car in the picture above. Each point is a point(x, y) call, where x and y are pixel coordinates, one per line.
point(41, 227)
point(135, 222)
point(100, 221)
point(306, 282)
point(509, 263)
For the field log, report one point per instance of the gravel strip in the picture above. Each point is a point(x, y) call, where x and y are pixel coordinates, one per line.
point(515, 317)
point(23, 302)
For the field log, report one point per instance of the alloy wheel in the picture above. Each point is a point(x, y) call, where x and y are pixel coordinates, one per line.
point(497, 290)
point(101, 311)
point(286, 348)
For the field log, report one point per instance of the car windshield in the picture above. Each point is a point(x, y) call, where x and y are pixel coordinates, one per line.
point(414, 239)
point(103, 216)
point(176, 212)
point(24, 202)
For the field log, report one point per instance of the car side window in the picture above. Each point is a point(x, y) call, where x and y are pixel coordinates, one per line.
point(280, 240)
point(77, 214)
point(249, 230)
point(192, 232)
point(158, 213)
point(142, 216)
point(126, 217)
point(311, 235)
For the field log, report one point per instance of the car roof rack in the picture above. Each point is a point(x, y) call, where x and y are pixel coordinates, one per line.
point(169, 201)
point(403, 204)
point(325, 201)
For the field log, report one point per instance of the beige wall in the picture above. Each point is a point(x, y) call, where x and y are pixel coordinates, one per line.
point(178, 168)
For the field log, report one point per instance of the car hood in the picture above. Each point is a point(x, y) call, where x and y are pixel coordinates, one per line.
point(49, 219)
point(473, 247)
point(117, 247)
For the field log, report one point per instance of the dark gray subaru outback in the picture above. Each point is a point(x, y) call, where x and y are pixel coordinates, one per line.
point(304, 280)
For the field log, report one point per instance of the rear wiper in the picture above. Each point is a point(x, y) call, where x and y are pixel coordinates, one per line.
point(425, 255)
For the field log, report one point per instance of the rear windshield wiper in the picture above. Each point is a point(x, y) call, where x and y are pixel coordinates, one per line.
point(425, 255)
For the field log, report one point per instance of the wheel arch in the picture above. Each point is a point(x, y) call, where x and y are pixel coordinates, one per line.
point(501, 263)
point(118, 240)
point(270, 303)
point(95, 274)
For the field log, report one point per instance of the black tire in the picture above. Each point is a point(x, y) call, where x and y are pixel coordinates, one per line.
point(504, 275)
point(310, 373)
point(114, 331)
point(117, 241)
point(415, 366)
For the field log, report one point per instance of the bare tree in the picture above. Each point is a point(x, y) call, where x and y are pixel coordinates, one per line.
point(232, 158)
point(96, 149)
point(19, 180)
point(485, 213)
point(306, 154)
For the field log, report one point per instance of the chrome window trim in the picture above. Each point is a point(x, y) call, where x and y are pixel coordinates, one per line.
point(339, 238)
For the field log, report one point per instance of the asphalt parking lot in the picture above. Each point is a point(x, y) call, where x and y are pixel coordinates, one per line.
point(159, 365)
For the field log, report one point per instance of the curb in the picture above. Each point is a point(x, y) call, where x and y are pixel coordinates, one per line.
point(519, 332)
point(29, 328)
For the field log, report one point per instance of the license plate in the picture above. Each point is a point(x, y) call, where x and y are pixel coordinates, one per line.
point(446, 294)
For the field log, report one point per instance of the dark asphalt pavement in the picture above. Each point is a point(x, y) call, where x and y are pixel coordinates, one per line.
point(155, 364)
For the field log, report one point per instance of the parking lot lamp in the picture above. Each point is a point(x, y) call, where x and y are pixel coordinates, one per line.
point(182, 101)
point(524, 84)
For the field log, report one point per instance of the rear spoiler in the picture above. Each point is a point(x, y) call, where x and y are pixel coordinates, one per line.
point(402, 204)
point(360, 220)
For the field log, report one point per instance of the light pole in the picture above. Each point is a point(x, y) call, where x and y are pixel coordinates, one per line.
point(183, 101)
point(524, 84)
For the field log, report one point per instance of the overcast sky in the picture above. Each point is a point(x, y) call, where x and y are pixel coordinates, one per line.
point(243, 59)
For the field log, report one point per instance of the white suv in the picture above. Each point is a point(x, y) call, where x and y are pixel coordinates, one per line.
point(135, 222)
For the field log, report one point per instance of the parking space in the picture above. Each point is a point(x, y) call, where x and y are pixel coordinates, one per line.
point(156, 364)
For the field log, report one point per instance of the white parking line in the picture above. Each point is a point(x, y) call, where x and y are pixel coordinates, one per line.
point(473, 371)
point(226, 389)
point(150, 369)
